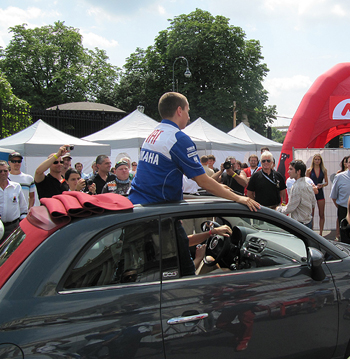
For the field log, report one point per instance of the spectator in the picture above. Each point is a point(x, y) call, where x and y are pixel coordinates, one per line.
point(340, 192)
point(253, 166)
point(290, 181)
point(343, 166)
point(26, 181)
point(74, 181)
point(230, 176)
point(211, 161)
point(345, 226)
point(238, 165)
point(133, 169)
point(79, 167)
point(318, 173)
point(67, 163)
point(302, 197)
point(204, 162)
point(267, 186)
point(128, 161)
point(103, 174)
point(13, 206)
point(94, 170)
point(121, 184)
point(244, 166)
point(53, 183)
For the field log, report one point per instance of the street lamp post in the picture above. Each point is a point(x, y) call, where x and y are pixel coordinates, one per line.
point(187, 72)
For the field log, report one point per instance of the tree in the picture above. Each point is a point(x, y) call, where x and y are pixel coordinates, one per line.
point(277, 135)
point(14, 112)
point(225, 68)
point(48, 65)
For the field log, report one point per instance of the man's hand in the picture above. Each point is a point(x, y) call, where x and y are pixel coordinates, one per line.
point(224, 230)
point(250, 203)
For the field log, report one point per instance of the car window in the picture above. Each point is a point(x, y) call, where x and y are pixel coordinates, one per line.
point(128, 254)
point(254, 243)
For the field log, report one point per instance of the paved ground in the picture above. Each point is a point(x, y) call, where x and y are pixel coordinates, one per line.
point(328, 234)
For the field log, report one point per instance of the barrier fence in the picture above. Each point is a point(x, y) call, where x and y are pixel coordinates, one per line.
point(75, 123)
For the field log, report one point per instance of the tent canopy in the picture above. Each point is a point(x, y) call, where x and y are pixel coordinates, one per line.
point(41, 139)
point(201, 131)
point(129, 132)
point(243, 132)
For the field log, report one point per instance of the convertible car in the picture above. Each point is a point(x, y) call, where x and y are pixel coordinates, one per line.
point(96, 277)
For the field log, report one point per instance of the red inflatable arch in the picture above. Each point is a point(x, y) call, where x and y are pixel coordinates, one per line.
point(323, 114)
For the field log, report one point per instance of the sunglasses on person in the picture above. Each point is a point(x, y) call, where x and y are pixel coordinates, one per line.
point(57, 162)
point(263, 161)
point(5, 171)
point(16, 161)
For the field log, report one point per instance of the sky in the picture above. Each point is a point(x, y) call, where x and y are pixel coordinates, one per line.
point(300, 39)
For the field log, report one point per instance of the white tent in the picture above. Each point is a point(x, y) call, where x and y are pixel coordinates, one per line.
point(126, 136)
point(245, 133)
point(39, 140)
point(217, 142)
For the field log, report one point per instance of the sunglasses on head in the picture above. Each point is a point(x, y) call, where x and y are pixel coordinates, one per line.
point(16, 161)
point(263, 161)
point(57, 162)
point(5, 171)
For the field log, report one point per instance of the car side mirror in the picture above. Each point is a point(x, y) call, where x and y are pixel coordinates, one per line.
point(315, 258)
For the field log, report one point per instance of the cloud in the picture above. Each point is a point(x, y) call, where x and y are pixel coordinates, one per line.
point(92, 40)
point(12, 16)
point(278, 86)
point(307, 8)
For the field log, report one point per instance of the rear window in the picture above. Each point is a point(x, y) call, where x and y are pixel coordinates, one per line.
point(11, 244)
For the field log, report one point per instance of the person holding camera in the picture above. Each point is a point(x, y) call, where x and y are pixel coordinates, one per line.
point(53, 183)
point(231, 176)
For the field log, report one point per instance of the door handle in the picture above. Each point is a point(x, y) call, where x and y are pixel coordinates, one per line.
point(187, 319)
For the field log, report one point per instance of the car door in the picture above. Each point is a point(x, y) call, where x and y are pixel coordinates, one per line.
point(276, 311)
point(108, 300)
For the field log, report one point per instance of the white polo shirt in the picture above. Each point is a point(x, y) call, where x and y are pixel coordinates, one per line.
point(12, 203)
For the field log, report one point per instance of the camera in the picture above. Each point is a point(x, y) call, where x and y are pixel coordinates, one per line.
point(89, 182)
point(227, 165)
point(70, 148)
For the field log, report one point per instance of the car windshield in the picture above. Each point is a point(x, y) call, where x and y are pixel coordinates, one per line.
point(11, 244)
point(254, 224)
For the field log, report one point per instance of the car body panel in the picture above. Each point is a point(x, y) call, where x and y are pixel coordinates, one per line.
point(280, 310)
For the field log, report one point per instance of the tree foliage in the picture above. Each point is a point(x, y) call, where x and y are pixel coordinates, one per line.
point(48, 65)
point(277, 135)
point(225, 67)
point(14, 112)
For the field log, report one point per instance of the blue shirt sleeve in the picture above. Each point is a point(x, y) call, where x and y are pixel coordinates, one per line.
point(184, 154)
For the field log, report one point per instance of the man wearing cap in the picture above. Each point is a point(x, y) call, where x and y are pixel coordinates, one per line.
point(121, 185)
point(53, 183)
point(13, 206)
point(26, 181)
point(67, 163)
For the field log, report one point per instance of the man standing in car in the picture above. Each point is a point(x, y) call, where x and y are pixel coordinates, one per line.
point(302, 197)
point(167, 154)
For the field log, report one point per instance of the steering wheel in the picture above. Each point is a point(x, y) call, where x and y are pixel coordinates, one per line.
point(217, 247)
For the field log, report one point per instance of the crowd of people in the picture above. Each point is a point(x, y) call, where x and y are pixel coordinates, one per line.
point(169, 166)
